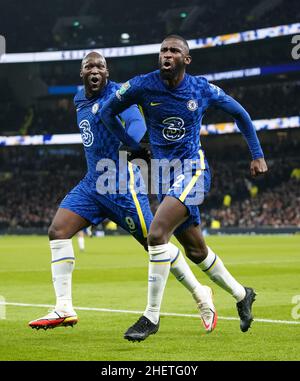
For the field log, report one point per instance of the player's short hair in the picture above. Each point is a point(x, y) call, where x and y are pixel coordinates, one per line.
point(93, 53)
point(177, 37)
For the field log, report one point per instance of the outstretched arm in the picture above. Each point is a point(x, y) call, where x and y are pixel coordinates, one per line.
point(245, 125)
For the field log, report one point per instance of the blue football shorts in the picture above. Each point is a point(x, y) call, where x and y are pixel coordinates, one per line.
point(131, 211)
point(190, 188)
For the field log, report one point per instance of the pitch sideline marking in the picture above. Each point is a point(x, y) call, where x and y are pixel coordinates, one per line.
point(289, 322)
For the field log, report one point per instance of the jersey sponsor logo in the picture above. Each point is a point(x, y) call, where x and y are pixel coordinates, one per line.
point(174, 130)
point(192, 105)
point(95, 108)
point(86, 133)
point(155, 103)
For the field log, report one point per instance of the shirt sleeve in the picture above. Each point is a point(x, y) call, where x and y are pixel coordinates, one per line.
point(135, 126)
point(218, 98)
point(127, 95)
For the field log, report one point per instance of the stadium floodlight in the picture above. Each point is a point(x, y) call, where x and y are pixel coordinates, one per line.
point(125, 37)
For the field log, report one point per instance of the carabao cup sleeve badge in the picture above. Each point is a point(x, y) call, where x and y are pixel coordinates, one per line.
point(124, 88)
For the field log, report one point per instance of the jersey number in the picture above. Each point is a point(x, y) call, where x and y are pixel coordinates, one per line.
point(179, 179)
point(130, 223)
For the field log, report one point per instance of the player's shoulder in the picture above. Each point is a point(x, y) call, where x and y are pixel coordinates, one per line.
point(199, 81)
point(137, 85)
point(79, 98)
point(207, 88)
point(144, 80)
point(112, 86)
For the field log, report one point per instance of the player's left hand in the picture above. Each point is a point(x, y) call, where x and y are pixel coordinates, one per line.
point(258, 167)
point(142, 153)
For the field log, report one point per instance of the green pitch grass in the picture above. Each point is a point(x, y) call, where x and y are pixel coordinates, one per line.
point(112, 274)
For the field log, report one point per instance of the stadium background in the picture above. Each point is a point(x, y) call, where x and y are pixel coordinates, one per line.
point(36, 99)
point(38, 162)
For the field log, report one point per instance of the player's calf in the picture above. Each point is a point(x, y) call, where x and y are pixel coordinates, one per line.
point(196, 255)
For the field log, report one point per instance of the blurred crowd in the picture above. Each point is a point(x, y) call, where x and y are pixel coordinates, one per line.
point(33, 181)
point(57, 117)
point(30, 199)
point(237, 200)
point(262, 101)
point(276, 207)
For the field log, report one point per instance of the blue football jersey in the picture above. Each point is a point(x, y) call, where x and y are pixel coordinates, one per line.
point(173, 115)
point(99, 143)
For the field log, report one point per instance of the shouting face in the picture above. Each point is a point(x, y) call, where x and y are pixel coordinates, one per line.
point(173, 58)
point(94, 73)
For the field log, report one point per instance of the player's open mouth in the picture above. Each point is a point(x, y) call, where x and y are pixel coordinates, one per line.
point(95, 82)
point(166, 65)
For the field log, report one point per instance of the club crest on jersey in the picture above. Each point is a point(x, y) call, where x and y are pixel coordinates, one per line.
point(95, 108)
point(174, 130)
point(86, 133)
point(192, 105)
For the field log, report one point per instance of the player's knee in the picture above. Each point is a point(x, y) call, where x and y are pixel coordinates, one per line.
point(196, 254)
point(157, 236)
point(55, 232)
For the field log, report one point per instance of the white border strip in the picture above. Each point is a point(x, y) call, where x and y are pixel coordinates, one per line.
point(286, 322)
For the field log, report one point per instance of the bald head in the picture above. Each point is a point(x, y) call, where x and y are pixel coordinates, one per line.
point(93, 56)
